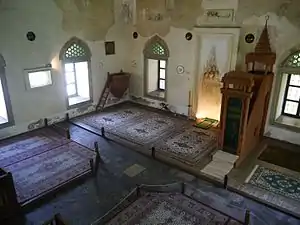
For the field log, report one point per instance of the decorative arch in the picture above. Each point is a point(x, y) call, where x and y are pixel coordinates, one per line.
point(292, 61)
point(156, 48)
point(75, 56)
point(2, 61)
point(75, 50)
point(156, 54)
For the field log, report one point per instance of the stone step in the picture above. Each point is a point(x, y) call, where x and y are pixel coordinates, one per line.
point(224, 156)
point(217, 169)
point(214, 173)
point(220, 166)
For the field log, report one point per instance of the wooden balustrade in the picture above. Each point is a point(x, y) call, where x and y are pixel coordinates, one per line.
point(257, 117)
point(9, 206)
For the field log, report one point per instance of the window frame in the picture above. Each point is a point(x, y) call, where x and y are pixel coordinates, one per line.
point(149, 54)
point(285, 99)
point(47, 68)
point(86, 58)
point(159, 78)
point(277, 116)
point(10, 116)
point(75, 80)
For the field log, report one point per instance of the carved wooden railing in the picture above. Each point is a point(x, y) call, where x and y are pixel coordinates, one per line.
point(252, 93)
point(9, 205)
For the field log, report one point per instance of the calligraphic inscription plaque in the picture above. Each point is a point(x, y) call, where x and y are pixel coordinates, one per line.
point(219, 15)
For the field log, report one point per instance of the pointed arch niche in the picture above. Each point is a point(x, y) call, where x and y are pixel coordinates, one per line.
point(6, 115)
point(156, 55)
point(75, 56)
point(287, 92)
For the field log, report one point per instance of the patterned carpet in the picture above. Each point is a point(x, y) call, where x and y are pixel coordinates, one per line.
point(169, 135)
point(149, 129)
point(189, 146)
point(164, 208)
point(24, 146)
point(111, 119)
point(35, 176)
point(276, 182)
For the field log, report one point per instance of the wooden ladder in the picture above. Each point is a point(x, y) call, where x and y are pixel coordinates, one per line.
point(104, 95)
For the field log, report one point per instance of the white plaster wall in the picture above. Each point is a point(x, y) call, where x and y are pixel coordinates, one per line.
point(181, 53)
point(44, 18)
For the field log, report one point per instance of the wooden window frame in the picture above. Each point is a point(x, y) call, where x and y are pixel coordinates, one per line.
point(159, 78)
point(86, 57)
point(75, 80)
point(285, 99)
point(7, 100)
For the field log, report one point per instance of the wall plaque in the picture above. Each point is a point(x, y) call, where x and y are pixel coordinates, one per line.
point(249, 38)
point(30, 36)
point(110, 48)
point(219, 15)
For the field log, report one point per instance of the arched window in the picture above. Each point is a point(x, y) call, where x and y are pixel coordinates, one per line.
point(6, 115)
point(156, 54)
point(76, 60)
point(291, 73)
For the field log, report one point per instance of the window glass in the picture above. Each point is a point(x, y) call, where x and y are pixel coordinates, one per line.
point(69, 67)
point(71, 89)
point(3, 109)
point(70, 77)
point(162, 64)
point(291, 107)
point(162, 74)
point(293, 93)
point(39, 78)
point(295, 80)
point(162, 84)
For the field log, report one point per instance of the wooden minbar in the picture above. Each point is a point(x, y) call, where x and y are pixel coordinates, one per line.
point(245, 101)
point(236, 97)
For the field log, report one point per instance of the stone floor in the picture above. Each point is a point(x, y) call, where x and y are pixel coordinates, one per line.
point(88, 200)
point(216, 173)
